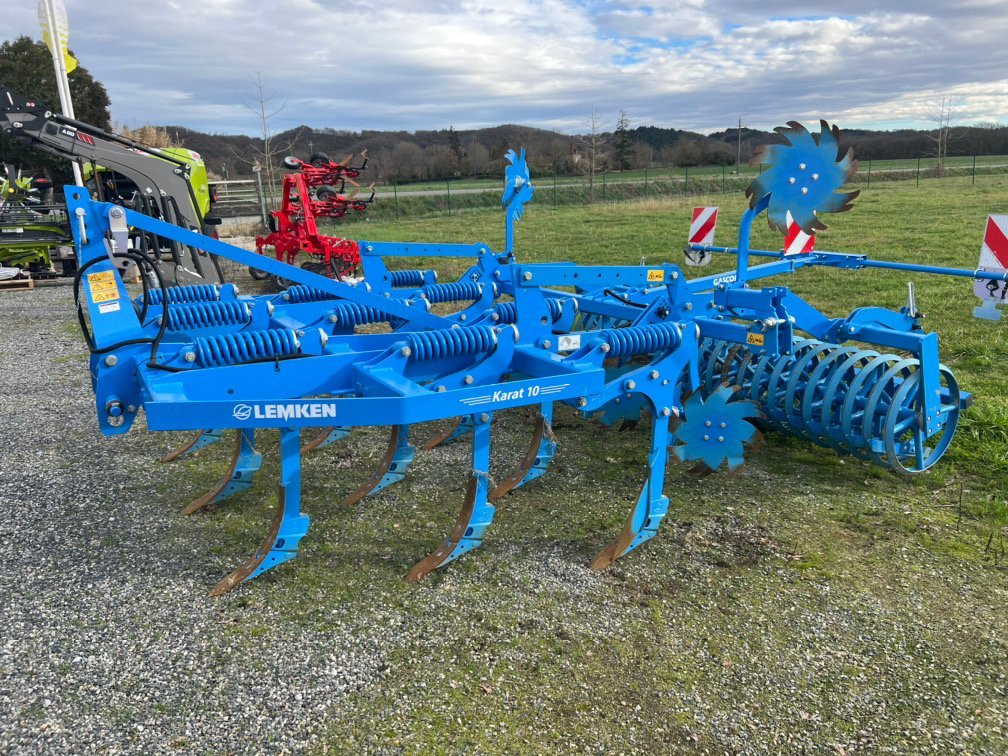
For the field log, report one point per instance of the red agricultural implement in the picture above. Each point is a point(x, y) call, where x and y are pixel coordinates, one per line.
point(314, 191)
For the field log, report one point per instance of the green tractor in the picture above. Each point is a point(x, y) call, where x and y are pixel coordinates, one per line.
point(31, 231)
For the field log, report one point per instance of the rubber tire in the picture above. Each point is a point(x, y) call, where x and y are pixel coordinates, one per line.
point(326, 193)
point(258, 275)
point(319, 159)
point(291, 163)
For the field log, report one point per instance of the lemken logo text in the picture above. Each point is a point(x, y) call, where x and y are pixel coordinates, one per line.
point(285, 411)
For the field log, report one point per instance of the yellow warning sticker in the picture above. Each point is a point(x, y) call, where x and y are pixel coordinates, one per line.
point(655, 276)
point(103, 287)
point(756, 339)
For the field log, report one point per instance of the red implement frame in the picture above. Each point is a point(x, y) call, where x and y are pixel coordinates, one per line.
point(293, 226)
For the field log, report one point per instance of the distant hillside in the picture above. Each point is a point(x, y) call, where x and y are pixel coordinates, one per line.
point(447, 153)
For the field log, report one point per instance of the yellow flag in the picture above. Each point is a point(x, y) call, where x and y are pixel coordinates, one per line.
point(62, 30)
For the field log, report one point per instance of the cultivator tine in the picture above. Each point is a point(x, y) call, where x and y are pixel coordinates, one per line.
point(476, 514)
point(324, 438)
point(536, 459)
point(244, 463)
point(200, 440)
point(393, 466)
point(289, 525)
point(457, 428)
point(651, 505)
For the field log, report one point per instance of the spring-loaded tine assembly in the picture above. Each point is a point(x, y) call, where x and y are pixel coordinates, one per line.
point(325, 437)
point(199, 440)
point(710, 359)
point(476, 515)
point(289, 525)
point(651, 505)
point(398, 455)
point(537, 458)
point(244, 463)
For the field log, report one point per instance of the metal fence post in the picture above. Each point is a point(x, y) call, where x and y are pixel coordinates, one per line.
point(554, 189)
point(918, 170)
point(685, 189)
point(645, 183)
point(722, 179)
point(869, 173)
point(974, 170)
point(603, 186)
point(262, 195)
point(448, 185)
point(395, 193)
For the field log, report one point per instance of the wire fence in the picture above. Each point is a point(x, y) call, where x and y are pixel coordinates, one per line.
point(248, 198)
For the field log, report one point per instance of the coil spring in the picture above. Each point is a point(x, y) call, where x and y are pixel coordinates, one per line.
point(300, 294)
point(451, 292)
point(246, 346)
point(190, 315)
point(184, 294)
point(352, 314)
point(644, 339)
point(402, 279)
point(507, 312)
point(854, 400)
point(450, 342)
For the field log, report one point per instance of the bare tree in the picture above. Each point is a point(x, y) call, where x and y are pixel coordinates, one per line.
point(944, 117)
point(264, 109)
point(407, 161)
point(476, 160)
point(147, 135)
point(594, 149)
point(643, 154)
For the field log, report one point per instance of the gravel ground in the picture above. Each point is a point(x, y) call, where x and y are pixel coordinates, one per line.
point(105, 648)
point(830, 609)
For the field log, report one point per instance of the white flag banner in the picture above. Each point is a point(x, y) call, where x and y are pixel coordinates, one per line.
point(62, 30)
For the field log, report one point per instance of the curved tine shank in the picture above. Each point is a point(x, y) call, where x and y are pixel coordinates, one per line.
point(397, 457)
point(651, 506)
point(198, 441)
point(443, 553)
point(510, 483)
point(244, 462)
point(448, 433)
point(325, 436)
point(476, 514)
point(252, 563)
point(289, 525)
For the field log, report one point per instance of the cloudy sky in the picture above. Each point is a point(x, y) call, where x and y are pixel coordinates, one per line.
point(418, 64)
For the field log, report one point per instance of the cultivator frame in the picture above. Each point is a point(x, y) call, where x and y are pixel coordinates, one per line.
point(702, 357)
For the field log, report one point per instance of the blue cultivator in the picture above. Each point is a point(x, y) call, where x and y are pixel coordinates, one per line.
point(703, 359)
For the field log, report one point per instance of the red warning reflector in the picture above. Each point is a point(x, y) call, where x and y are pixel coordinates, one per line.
point(703, 225)
point(796, 241)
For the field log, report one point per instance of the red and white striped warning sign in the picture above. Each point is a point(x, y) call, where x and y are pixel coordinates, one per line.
point(993, 257)
point(796, 241)
point(994, 250)
point(703, 225)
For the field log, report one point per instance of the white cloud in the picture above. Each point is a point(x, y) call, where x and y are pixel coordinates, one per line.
point(414, 64)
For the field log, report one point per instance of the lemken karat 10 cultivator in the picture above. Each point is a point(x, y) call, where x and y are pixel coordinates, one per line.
point(704, 358)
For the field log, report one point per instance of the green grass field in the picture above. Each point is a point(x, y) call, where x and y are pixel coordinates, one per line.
point(455, 197)
point(809, 602)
